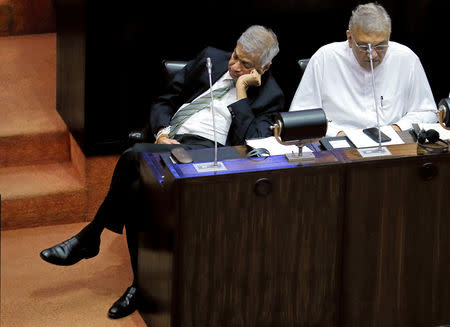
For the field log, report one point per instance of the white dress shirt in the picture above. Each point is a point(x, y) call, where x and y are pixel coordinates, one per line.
point(335, 82)
point(201, 123)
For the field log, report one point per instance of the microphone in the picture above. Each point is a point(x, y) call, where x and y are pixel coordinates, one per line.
point(209, 66)
point(375, 95)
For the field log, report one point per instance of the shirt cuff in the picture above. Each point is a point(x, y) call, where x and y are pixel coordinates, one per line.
point(162, 131)
point(404, 124)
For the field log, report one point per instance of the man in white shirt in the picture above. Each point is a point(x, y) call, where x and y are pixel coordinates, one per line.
point(338, 78)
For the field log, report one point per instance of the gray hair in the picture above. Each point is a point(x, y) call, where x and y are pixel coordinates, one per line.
point(370, 17)
point(261, 41)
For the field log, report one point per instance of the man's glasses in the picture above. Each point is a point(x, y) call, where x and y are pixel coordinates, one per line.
point(379, 48)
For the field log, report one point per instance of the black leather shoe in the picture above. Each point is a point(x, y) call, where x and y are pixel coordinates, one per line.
point(70, 252)
point(125, 305)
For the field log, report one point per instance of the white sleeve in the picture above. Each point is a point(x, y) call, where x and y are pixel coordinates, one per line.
point(309, 91)
point(421, 107)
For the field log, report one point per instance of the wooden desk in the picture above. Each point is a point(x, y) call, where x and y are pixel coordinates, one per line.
point(342, 241)
point(396, 253)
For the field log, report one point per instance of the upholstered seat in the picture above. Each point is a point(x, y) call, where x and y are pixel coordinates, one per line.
point(171, 67)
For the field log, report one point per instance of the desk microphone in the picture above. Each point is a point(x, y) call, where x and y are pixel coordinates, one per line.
point(374, 95)
point(209, 66)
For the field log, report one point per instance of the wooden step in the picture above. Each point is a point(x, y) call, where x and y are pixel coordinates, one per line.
point(31, 130)
point(42, 195)
point(31, 149)
point(45, 178)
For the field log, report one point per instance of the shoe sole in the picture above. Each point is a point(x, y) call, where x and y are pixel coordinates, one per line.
point(111, 316)
point(70, 263)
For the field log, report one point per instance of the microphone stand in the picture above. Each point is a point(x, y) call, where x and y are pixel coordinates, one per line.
point(209, 66)
point(216, 166)
point(375, 97)
point(379, 150)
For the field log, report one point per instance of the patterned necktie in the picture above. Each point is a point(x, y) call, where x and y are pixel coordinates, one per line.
point(195, 106)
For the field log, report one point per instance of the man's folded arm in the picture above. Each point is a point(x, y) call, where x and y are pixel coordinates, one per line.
point(423, 116)
point(248, 123)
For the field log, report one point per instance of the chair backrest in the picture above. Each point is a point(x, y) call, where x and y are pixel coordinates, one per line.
point(172, 67)
point(303, 63)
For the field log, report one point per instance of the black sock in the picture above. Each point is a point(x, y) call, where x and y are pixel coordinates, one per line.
point(132, 242)
point(92, 232)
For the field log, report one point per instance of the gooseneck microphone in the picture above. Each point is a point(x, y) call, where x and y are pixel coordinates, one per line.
point(209, 66)
point(374, 94)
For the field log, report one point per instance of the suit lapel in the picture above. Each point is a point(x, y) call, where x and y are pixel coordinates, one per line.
point(219, 68)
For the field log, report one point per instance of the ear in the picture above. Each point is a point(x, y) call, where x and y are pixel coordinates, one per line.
point(265, 68)
point(349, 38)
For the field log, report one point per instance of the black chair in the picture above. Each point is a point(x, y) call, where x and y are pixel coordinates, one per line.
point(171, 67)
point(302, 64)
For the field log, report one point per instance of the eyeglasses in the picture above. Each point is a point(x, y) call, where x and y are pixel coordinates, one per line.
point(379, 48)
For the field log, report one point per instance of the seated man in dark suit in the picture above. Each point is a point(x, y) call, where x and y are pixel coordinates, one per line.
point(246, 97)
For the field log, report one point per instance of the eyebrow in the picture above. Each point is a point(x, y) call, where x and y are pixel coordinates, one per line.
point(380, 43)
point(244, 62)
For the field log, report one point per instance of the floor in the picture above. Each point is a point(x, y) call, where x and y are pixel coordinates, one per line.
point(35, 293)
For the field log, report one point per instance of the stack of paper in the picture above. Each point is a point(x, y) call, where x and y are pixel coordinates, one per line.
point(361, 140)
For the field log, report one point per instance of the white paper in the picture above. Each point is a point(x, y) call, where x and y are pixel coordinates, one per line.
point(443, 133)
point(361, 140)
point(274, 148)
point(339, 144)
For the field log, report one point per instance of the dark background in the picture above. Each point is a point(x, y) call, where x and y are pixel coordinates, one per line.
point(125, 42)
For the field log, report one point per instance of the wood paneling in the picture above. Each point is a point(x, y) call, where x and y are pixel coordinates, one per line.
point(26, 17)
point(250, 260)
point(350, 243)
point(397, 246)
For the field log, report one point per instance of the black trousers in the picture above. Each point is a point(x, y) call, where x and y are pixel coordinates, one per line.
point(123, 206)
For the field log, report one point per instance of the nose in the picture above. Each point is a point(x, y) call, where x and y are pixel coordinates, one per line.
point(374, 53)
point(236, 66)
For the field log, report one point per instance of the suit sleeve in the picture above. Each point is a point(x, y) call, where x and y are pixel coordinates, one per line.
point(253, 116)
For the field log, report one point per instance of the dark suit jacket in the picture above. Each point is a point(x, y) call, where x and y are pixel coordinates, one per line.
point(251, 117)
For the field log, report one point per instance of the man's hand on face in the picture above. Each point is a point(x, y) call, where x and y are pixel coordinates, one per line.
point(251, 79)
point(246, 80)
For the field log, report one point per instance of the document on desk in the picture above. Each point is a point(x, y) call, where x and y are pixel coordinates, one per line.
point(271, 144)
point(361, 140)
point(443, 133)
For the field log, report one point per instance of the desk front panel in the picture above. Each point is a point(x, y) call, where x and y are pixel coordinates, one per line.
point(253, 260)
point(348, 242)
point(396, 255)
